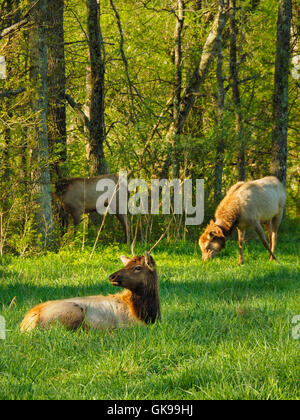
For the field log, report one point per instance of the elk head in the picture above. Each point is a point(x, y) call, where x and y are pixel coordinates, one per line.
point(211, 241)
point(138, 274)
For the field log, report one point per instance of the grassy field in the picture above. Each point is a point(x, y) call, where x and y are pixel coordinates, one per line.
point(226, 331)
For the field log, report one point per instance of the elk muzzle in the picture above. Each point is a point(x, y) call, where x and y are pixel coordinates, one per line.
point(208, 255)
point(116, 279)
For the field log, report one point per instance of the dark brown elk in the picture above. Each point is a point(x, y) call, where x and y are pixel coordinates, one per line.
point(79, 195)
point(139, 303)
point(247, 204)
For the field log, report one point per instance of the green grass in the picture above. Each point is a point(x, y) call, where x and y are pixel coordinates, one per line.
point(226, 331)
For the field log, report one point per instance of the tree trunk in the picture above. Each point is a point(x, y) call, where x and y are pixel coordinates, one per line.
point(57, 131)
point(5, 162)
point(87, 105)
point(236, 93)
point(176, 134)
point(280, 100)
point(5, 170)
point(219, 165)
point(96, 139)
point(40, 154)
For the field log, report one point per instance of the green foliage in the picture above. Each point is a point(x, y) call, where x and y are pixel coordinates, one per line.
point(139, 101)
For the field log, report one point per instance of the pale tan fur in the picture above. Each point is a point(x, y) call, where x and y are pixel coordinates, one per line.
point(95, 311)
point(135, 305)
point(247, 204)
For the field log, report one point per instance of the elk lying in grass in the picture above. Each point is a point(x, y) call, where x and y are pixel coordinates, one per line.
point(139, 303)
point(79, 195)
point(247, 204)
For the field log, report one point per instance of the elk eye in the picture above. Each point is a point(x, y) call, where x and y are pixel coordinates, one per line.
point(138, 268)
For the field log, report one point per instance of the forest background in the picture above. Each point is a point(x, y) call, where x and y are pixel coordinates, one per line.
point(197, 89)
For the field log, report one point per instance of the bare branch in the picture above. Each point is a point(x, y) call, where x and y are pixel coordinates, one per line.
point(78, 111)
point(146, 3)
point(8, 93)
point(123, 53)
point(13, 28)
point(202, 68)
point(18, 25)
point(132, 87)
point(162, 236)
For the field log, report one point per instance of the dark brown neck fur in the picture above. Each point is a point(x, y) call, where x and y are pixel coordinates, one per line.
point(146, 302)
point(229, 229)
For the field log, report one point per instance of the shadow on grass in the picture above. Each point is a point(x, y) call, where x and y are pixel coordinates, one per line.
point(26, 293)
point(238, 284)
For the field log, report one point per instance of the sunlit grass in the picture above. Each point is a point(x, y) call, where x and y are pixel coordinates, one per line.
point(226, 331)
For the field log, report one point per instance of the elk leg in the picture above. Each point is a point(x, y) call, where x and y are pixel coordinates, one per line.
point(268, 226)
point(259, 230)
point(274, 239)
point(64, 219)
point(95, 219)
point(70, 314)
point(275, 226)
point(241, 234)
point(76, 214)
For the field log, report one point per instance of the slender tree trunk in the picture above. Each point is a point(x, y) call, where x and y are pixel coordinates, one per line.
point(236, 92)
point(177, 128)
point(280, 99)
point(57, 131)
point(87, 106)
point(5, 169)
point(5, 162)
point(40, 154)
point(95, 151)
point(219, 165)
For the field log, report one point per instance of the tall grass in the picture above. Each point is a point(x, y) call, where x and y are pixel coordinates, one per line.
point(226, 331)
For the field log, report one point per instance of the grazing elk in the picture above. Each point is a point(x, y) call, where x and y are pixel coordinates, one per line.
point(139, 303)
point(79, 195)
point(247, 204)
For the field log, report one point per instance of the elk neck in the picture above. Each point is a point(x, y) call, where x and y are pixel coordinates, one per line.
point(145, 302)
point(228, 223)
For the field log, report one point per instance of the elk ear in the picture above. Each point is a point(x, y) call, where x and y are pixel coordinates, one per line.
point(125, 260)
point(149, 261)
